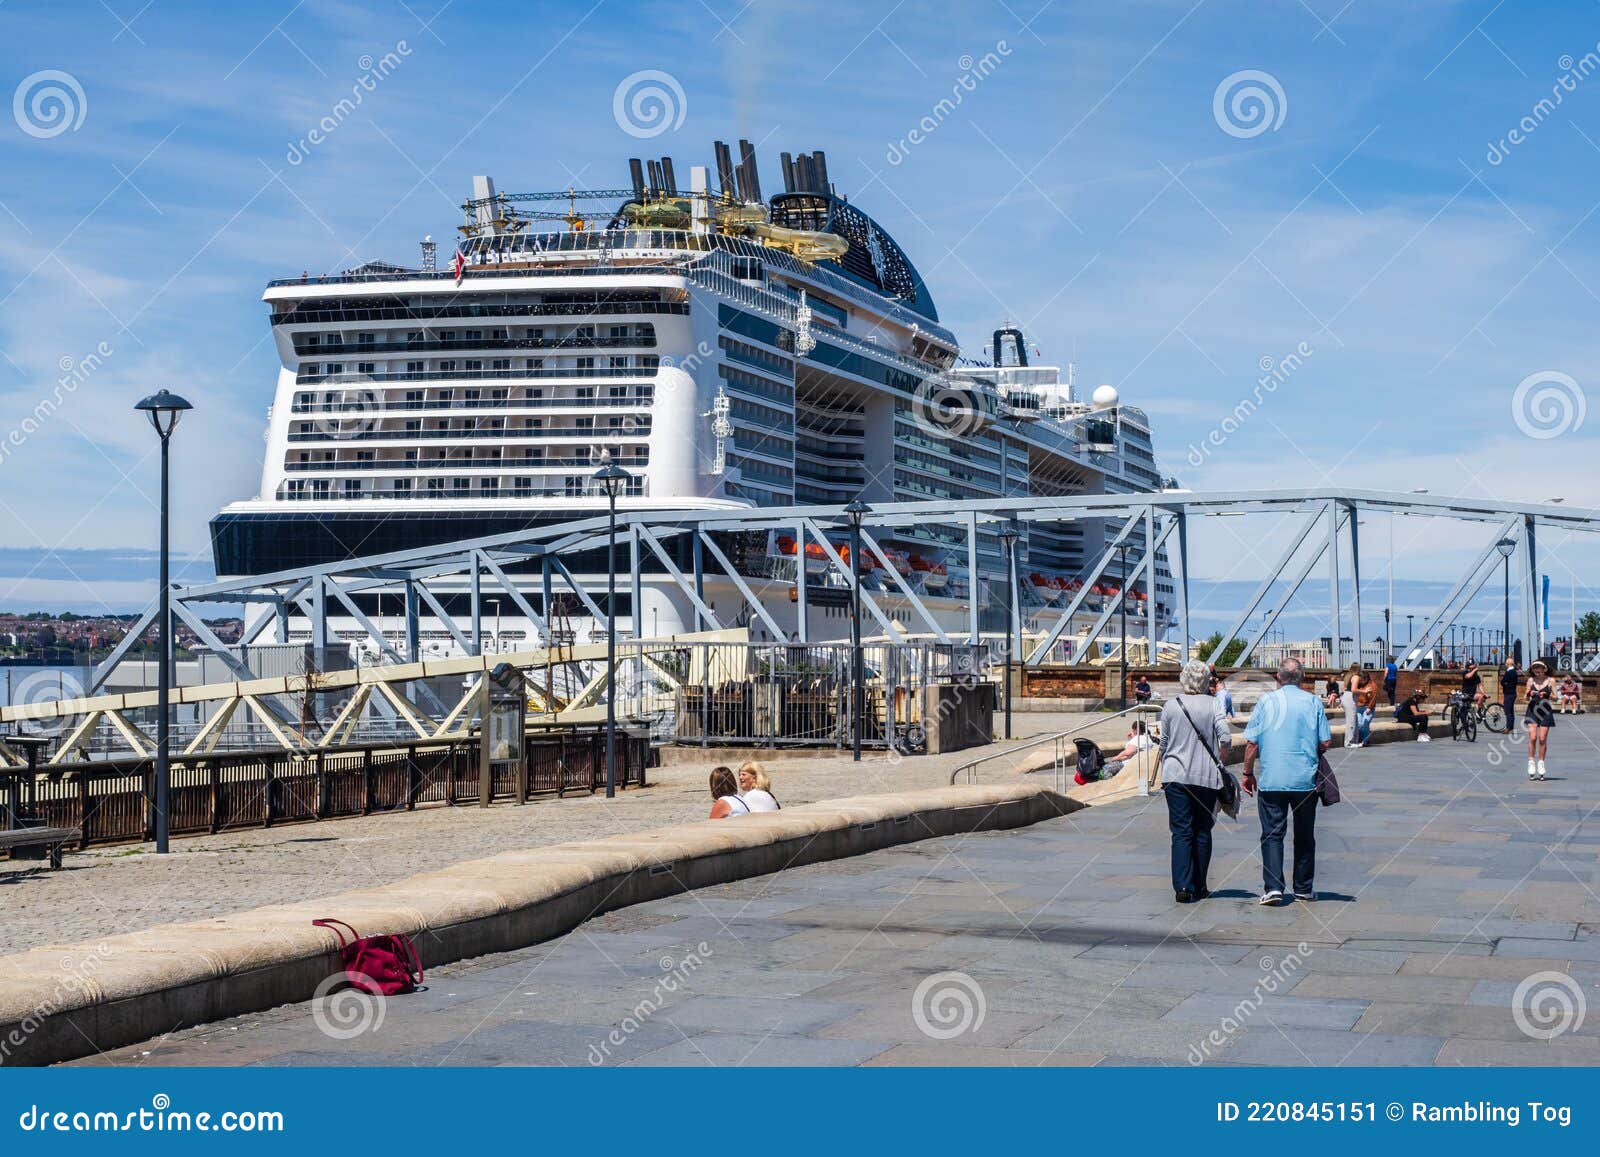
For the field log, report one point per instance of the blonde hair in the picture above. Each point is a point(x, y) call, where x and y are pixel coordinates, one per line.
point(758, 773)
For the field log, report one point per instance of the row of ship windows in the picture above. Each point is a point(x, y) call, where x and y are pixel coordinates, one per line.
point(626, 455)
point(571, 486)
point(479, 428)
point(448, 397)
point(436, 368)
point(313, 344)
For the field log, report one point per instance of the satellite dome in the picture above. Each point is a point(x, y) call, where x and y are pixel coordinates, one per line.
point(1104, 397)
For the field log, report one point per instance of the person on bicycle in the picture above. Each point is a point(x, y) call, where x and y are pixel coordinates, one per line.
point(1472, 686)
point(1541, 716)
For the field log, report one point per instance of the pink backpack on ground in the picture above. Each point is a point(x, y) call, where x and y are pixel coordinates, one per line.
point(381, 965)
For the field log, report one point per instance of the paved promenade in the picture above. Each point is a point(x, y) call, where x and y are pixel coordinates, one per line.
point(124, 887)
point(1447, 881)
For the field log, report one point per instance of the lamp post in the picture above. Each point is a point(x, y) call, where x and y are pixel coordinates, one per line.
point(1122, 592)
point(611, 478)
point(1409, 635)
point(855, 512)
point(163, 409)
point(1507, 547)
point(1010, 529)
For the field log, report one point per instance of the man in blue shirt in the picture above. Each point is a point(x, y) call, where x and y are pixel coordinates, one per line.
point(1288, 730)
point(1391, 677)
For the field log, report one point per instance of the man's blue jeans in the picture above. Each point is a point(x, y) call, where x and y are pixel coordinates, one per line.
point(1276, 808)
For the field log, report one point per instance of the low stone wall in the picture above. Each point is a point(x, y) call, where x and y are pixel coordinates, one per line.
point(58, 1003)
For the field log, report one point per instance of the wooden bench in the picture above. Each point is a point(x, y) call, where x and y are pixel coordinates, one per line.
point(48, 840)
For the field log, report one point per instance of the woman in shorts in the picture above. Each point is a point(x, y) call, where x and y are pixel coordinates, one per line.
point(1540, 717)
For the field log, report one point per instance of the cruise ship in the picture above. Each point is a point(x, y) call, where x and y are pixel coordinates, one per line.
point(728, 350)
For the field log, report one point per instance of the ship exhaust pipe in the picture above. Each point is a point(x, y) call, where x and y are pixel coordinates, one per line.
point(1015, 335)
point(636, 171)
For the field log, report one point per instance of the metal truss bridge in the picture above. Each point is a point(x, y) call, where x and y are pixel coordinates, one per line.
point(681, 547)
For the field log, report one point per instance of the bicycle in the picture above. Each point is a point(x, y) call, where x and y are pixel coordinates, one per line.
point(1463, 719)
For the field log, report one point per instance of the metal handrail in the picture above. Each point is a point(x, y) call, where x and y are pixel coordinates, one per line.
point(971, 768)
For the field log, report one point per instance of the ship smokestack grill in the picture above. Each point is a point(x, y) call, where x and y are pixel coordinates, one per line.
point(724, 169)
point(636, 170)
point(752, 179)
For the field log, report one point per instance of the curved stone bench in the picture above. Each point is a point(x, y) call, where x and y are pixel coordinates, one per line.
point(58, 1003)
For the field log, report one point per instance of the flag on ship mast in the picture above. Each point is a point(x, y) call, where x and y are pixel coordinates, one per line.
point(460, 265)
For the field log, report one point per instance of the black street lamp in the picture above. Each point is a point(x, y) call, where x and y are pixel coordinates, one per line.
point(1409, 635)
point(612, 479)
point(855, 512)
point(1507, 547)
point(1009, 531)
point(163, 409)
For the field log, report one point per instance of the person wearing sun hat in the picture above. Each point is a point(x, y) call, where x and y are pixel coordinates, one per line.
point(1540, 717)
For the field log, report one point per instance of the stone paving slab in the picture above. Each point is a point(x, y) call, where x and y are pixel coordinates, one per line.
point(1446, 882)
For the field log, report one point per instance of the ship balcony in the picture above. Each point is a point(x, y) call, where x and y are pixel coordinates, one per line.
point(367, 405)
point(466, 465)
point(507, 434)
point(322, 491)
point(465, 346)
point(351, 379)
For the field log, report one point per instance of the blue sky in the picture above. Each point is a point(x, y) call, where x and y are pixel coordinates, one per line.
point(1089, 185)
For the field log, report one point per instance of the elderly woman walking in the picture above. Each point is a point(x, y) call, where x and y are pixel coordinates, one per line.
point(1195, 737)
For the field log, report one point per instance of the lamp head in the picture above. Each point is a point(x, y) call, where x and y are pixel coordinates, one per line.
point(1009, 531)
point(857, 511)
point(610, 477)
point(164, 409)
point(1506, 547)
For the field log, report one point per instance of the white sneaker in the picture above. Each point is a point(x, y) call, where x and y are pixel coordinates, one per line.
point(1533, 769)
point(1541, 769)
point(1423, 738)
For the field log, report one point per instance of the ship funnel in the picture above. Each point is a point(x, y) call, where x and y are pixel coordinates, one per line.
point(636, 171)
point(747, 165)
point(786, 163)
point(484, 210)
point(820, 163)
point(1015, 335)
point(668, 180)
point(724, 169)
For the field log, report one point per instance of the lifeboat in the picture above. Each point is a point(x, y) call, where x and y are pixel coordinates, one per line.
point(1045, 587)
point(784, 545)
point(934, 575)
point(816, 559)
